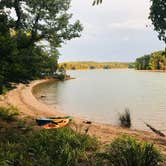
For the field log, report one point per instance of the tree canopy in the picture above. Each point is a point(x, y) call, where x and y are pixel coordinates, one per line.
point(43, 20)
point(158, 17)
point(154, 61)
point(30, 33)
point(96, 2)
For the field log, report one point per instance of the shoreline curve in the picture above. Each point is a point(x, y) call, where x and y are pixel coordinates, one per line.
point(24, 99)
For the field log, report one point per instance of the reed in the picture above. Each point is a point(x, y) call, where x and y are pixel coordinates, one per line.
point(125, 119)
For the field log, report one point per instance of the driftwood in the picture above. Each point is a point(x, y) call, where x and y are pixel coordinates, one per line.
point(87, 122)
point(158, 132)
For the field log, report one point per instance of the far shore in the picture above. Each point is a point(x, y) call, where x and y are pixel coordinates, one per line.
point(159, 71)
point(23, 98)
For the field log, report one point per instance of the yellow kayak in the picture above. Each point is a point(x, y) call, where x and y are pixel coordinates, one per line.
point(58, 124)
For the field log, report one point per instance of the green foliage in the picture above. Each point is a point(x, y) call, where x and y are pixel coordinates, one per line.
point(158, 17)
point(4, 89)
point(96, 2)
point(92, 65)
point(60, 77)
point(43, 19)
point(142, 63)
point(125, 119)
point(8, 113)
point(131, 66)
point(106, 67)
point(47, 147)
point(61, 73)
point(155, 61)
point(29, 41)
point(21, 145)
point(158, 60)
point(126, 151)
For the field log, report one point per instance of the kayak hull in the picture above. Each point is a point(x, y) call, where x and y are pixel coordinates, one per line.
point(53, 120)
point(61, 124)
point(43, 121)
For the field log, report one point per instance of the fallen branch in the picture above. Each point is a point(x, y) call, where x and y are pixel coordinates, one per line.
point(158, 132)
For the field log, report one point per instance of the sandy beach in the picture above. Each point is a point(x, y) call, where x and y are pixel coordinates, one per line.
point(23, 98)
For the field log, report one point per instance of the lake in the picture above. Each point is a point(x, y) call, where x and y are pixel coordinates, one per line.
point(100, 95)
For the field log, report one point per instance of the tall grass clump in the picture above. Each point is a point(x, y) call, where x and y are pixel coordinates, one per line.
point(8, 113)
point(47, 148)
point(126, 151)
point(125, 119)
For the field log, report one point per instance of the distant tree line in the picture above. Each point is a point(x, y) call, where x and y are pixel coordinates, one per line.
point(154, 61)
point(94, 65)
point(30, 33)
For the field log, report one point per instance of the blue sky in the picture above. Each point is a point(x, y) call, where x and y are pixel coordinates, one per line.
point(113, 31)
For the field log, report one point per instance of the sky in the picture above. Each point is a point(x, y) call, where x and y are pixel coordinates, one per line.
point(116, 30)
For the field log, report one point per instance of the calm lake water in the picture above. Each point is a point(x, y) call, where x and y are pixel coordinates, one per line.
point(100, 95)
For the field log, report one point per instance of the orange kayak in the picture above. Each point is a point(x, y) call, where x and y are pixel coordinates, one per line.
point(59, 124)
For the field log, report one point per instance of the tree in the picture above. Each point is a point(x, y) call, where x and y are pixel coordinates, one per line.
point(29, 40)
point(96, 2)
point(158, 17)
point(142, 63)
point(44, 20)
point(7, 49)
point(154, 61)
point(158, 61)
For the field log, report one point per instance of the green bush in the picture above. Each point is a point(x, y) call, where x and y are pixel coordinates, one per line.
point(126, 151)
point(47, 147)
point(4, 88)
point(125, 119)
point(8, 113)
point(60, 77)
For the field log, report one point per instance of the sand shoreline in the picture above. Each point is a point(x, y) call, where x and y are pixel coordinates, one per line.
point(155, 71)
point(23, 98)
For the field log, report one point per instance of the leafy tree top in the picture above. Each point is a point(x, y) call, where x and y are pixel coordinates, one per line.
point(158, 17)
point(47, 20)
point(96, 2)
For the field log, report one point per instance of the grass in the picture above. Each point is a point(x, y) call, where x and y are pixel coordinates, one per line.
point(127, 151)
point(8, 113)
point(125, 119)
point(47, 147)
point(22, 145)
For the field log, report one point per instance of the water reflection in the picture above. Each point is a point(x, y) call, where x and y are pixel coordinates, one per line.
point(100, 95)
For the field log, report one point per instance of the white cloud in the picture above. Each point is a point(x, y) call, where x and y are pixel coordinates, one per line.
point(117, 27)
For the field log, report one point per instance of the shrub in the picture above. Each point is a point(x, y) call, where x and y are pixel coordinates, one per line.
point(47, 147)
point(5, 88)
point(61, 77)
point(125, 119)
point(126, 151)
point(8, 113)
